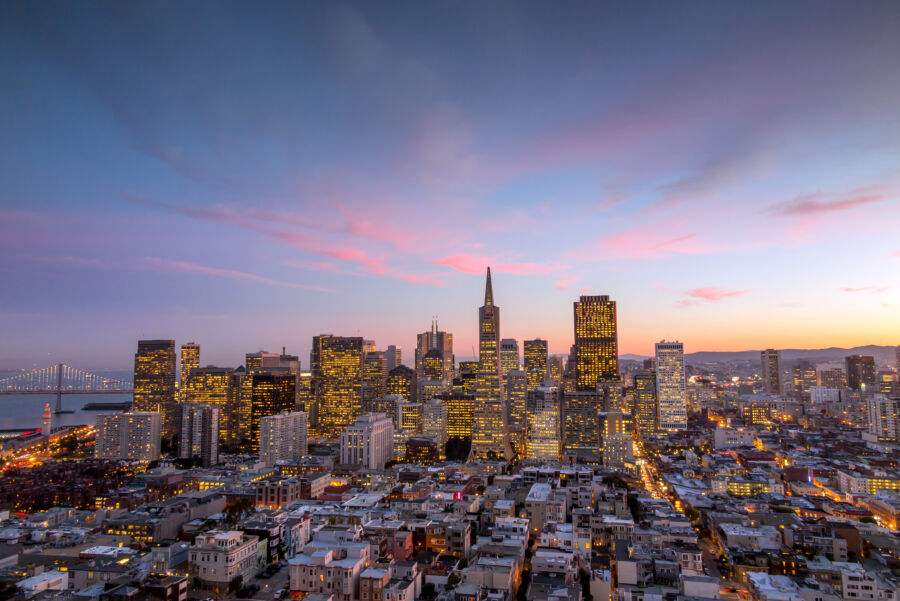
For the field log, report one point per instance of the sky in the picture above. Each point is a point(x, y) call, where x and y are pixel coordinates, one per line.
point(249, 175)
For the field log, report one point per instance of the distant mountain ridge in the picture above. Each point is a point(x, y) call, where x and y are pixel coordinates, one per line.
point(883, 355)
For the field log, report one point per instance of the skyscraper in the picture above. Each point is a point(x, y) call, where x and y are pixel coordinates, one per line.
point(596, 342)
point(543, 436)
point(337, 365)
point(394, 356)
point(804, 378)
point(283, 437)
point(509, 355)
point(131, 436)
point(272, 394)
point(861, 372)
point(644, 410)
point(374, 377)
point(535, 362)
point(214, 386)
point(516, 392)
point(400, 382)
point(770, 364)
point(555, 368)
point(190, 359)
point(434, 422)
point(884, 417)
point(460, 413)
point(200, 433)
point(435, 339)
point(154, 382)
point(832, 378)
point(671, 393)
point(490, 435)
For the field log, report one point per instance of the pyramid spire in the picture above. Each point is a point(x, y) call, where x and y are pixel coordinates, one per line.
point(488, 290)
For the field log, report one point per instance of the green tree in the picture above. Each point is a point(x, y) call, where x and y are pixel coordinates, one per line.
point(428, 591)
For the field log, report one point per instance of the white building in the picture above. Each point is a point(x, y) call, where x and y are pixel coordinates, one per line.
point(883, 415)
point(283, 437)
point(131, 436)
point(200, 432)
point(330, 569)
point(47, 581)
point(670, 386)
point(217, 557)
point(369, 442)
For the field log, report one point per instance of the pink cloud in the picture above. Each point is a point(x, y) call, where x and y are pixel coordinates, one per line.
point(563, 282)
point(474, 264)
point(896, 253)
point(809, 204)
point(869, 289)
point(713, 294)
point(643, 242)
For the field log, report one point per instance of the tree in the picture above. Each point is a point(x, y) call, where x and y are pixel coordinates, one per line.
point(235, 584)
point(452, 581)
point(428, 591)
point(457, 448)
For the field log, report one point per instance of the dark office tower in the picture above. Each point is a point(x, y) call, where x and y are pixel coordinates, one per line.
point(190, 359)
point(770, 370)
point(464, 383)
point(435, 339)
point(271, 394)
point(804, 377)
point(535, 362)
point(832, 378)
point(861, 372)
point(394, 356)
point(596, 342)
point(154, 382)
point(400, 382)
point(374, 378)
point(337, 367)
point(509, 355)
point(644, 408)
point(490, 435)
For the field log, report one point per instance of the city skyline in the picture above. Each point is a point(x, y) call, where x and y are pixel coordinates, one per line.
point(728, 194)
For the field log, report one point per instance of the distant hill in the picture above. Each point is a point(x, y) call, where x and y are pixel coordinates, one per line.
point(884, 355)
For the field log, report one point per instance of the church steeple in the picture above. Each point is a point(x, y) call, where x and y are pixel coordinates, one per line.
point(488, 291)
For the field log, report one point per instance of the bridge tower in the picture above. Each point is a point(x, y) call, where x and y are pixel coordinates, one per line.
point(59, 370)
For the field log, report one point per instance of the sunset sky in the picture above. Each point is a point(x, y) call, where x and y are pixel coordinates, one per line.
point(248, 175)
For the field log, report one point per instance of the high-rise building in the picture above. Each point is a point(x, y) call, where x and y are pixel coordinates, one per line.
point(272, 393)
point(407, 425)
point(394, 356)
point(154, 382)
point(884, 417)
point(400, 382)
point(337, 365)
point(618, 448)
point(543, 435)
point(644, 409)
point(305, 393)
point(368, 442)
point(464, 383)
point(374, 377)
point(283, 437)
point(509, 355)
point(200, 433)
point(804, 378)
point(428, 389)
point(555, 368)
point(861, 372)
point(581, 434)
point(671, 393)
point(832, 378)
point(214, 386)
point(441, 341)
point(536, 362)
point(190, 359)
point(460, 413)
point(131, 436)
point(490, 435)
point(516, 393)
point(262, 360)
point(434, 422)
point(770, 370)
point(596, 342)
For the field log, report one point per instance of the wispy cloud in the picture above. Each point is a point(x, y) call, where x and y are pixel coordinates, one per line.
point(814, 204)
point(868, 289)
point(563, 282)
point(475, 264)
point(714, 294)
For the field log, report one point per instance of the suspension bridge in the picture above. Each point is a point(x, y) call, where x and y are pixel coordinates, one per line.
point(62, 379)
